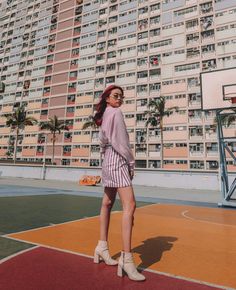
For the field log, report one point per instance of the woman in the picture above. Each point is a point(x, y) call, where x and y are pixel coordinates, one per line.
point(117, 175)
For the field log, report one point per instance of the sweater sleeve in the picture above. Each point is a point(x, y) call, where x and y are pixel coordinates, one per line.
point(120, 138)
point(103, 142)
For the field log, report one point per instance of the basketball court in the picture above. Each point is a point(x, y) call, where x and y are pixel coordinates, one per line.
point(177, 246)
point(48, 240)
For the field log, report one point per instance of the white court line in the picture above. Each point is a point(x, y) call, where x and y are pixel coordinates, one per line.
point(50, 226)
point(72, 221)
point(184, 214)
point(146, 270)
point(188, 279)
point(17, 254)
point(52, 248)
point(37, 245)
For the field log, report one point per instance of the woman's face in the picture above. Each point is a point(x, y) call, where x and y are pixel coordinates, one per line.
point(115, 98)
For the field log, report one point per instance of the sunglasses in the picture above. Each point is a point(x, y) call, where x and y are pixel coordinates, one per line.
point(117, 97)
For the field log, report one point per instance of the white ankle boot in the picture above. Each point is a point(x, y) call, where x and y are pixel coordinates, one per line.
point(126, 264)
point(101, 252)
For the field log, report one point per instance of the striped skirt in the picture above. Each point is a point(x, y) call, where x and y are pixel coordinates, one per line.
point(115, 170)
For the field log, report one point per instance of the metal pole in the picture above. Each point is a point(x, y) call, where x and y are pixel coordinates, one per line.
point(222, 176)
point(44, 158)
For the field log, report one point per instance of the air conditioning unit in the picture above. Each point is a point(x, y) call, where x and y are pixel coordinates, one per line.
point(2, 87)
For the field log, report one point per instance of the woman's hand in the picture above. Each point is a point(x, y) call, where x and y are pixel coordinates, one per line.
point(131, 173)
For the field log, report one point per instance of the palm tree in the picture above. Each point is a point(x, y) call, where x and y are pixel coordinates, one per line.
point(17, 121)
point(90, 123)
point(9, 154)
point(155, 115)
point(228, 119)
point(2, 87)
point(54, 126)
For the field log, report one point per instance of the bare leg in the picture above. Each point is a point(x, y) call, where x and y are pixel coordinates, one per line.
point(128, 202)
point(101, 250)
point(107, 203)
point(126, 262)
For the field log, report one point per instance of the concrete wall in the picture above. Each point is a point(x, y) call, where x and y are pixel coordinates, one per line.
point(169, 179)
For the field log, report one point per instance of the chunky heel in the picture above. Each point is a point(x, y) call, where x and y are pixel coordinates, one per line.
point(102, 253)
point(126, 265)
point(96, 258)
point(120, 272)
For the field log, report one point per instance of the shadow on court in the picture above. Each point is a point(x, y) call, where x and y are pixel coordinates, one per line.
point(151, 250)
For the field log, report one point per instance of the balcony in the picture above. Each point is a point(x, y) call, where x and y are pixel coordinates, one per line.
point(83, 100)
point(34, 128)
point(95, 154)
point(141, 154)
point(43, 117)
point(142, 80)
point(95, 139)
point(210, 135)
point(82, 152)
point(156, 11)
point(154, 154)
point(195, 119)
point(80, 163)
point(71, 89)
point(143, 93)
point(193, 28)
point(140, 123)
point(4, 141)
point(7, 109)
point(141, 108)
point(28, 152)
point(212, 153)
point(70, 114)
point(81, 138)
point(208, 54)
point(5, 130)
point(130, 122)
point(196, 153)
point(194, 104)
point(30, 140)
point(128, 107)
point(196, 137)
point(206, 10)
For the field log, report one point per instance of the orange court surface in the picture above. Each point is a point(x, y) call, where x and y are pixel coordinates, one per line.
point(188, 243)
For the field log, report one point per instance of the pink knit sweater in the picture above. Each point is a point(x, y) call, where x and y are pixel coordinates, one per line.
point(113, 131)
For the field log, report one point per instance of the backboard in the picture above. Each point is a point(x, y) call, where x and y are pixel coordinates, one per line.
point(218, 89)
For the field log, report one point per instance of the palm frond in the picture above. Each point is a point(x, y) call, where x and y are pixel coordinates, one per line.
point(46, 126)
point(54, 125)
point(19, 119)
point(227, 119)
point(90, 124)
point(157, 111)
point(152, 121)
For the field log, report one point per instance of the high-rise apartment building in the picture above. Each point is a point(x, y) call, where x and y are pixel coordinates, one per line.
point(57, 57)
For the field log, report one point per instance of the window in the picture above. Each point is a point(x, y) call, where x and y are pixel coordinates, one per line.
point(161, 43)
point(196, 164)
point(186, 67)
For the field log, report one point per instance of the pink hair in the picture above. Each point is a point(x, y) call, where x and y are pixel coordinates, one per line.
point(102, 104)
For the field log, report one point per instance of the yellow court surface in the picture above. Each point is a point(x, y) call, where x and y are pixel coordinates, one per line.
point(192, 242)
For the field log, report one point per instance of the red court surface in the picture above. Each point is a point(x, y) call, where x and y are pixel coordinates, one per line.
point(179, 246)
point(47, 269)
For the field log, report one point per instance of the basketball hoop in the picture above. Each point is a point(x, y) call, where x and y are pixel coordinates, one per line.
point(221, 95)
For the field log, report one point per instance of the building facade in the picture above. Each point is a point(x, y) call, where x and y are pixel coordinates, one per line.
point(57, 57)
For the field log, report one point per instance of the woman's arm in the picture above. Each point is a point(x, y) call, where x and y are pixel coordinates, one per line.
point(120, 138)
